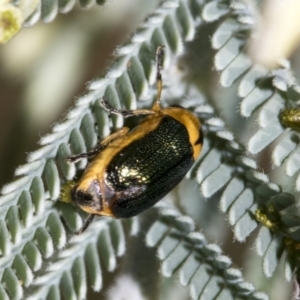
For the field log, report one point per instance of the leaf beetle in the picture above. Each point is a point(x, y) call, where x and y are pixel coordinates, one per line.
point(132, 169)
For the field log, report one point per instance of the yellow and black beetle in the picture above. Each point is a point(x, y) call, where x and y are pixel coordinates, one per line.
point(133, 169)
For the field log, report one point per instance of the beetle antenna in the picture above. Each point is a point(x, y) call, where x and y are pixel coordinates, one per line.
point(159, 64)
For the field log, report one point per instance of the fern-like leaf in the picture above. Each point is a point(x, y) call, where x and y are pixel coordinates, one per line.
point(200, 265)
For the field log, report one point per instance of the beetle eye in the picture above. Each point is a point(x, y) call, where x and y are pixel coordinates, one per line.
point(81, 197)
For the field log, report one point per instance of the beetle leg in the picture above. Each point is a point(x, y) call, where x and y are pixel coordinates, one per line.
point(87, 222)
point(120, 132)
point(124, 112)
point(159, 64)
point(78, 157)
point(75, 158)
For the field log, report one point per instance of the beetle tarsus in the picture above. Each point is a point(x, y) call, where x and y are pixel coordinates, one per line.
point(99, 147)
point(124, 112)
point(87, 222)
point(159, 64)
point(77, 158)
point(160, 52)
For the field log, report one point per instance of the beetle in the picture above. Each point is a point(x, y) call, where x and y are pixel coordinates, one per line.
point(131, 170)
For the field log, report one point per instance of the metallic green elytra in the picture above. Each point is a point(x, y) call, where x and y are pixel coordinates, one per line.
point(132, 169)
point(291, 118)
